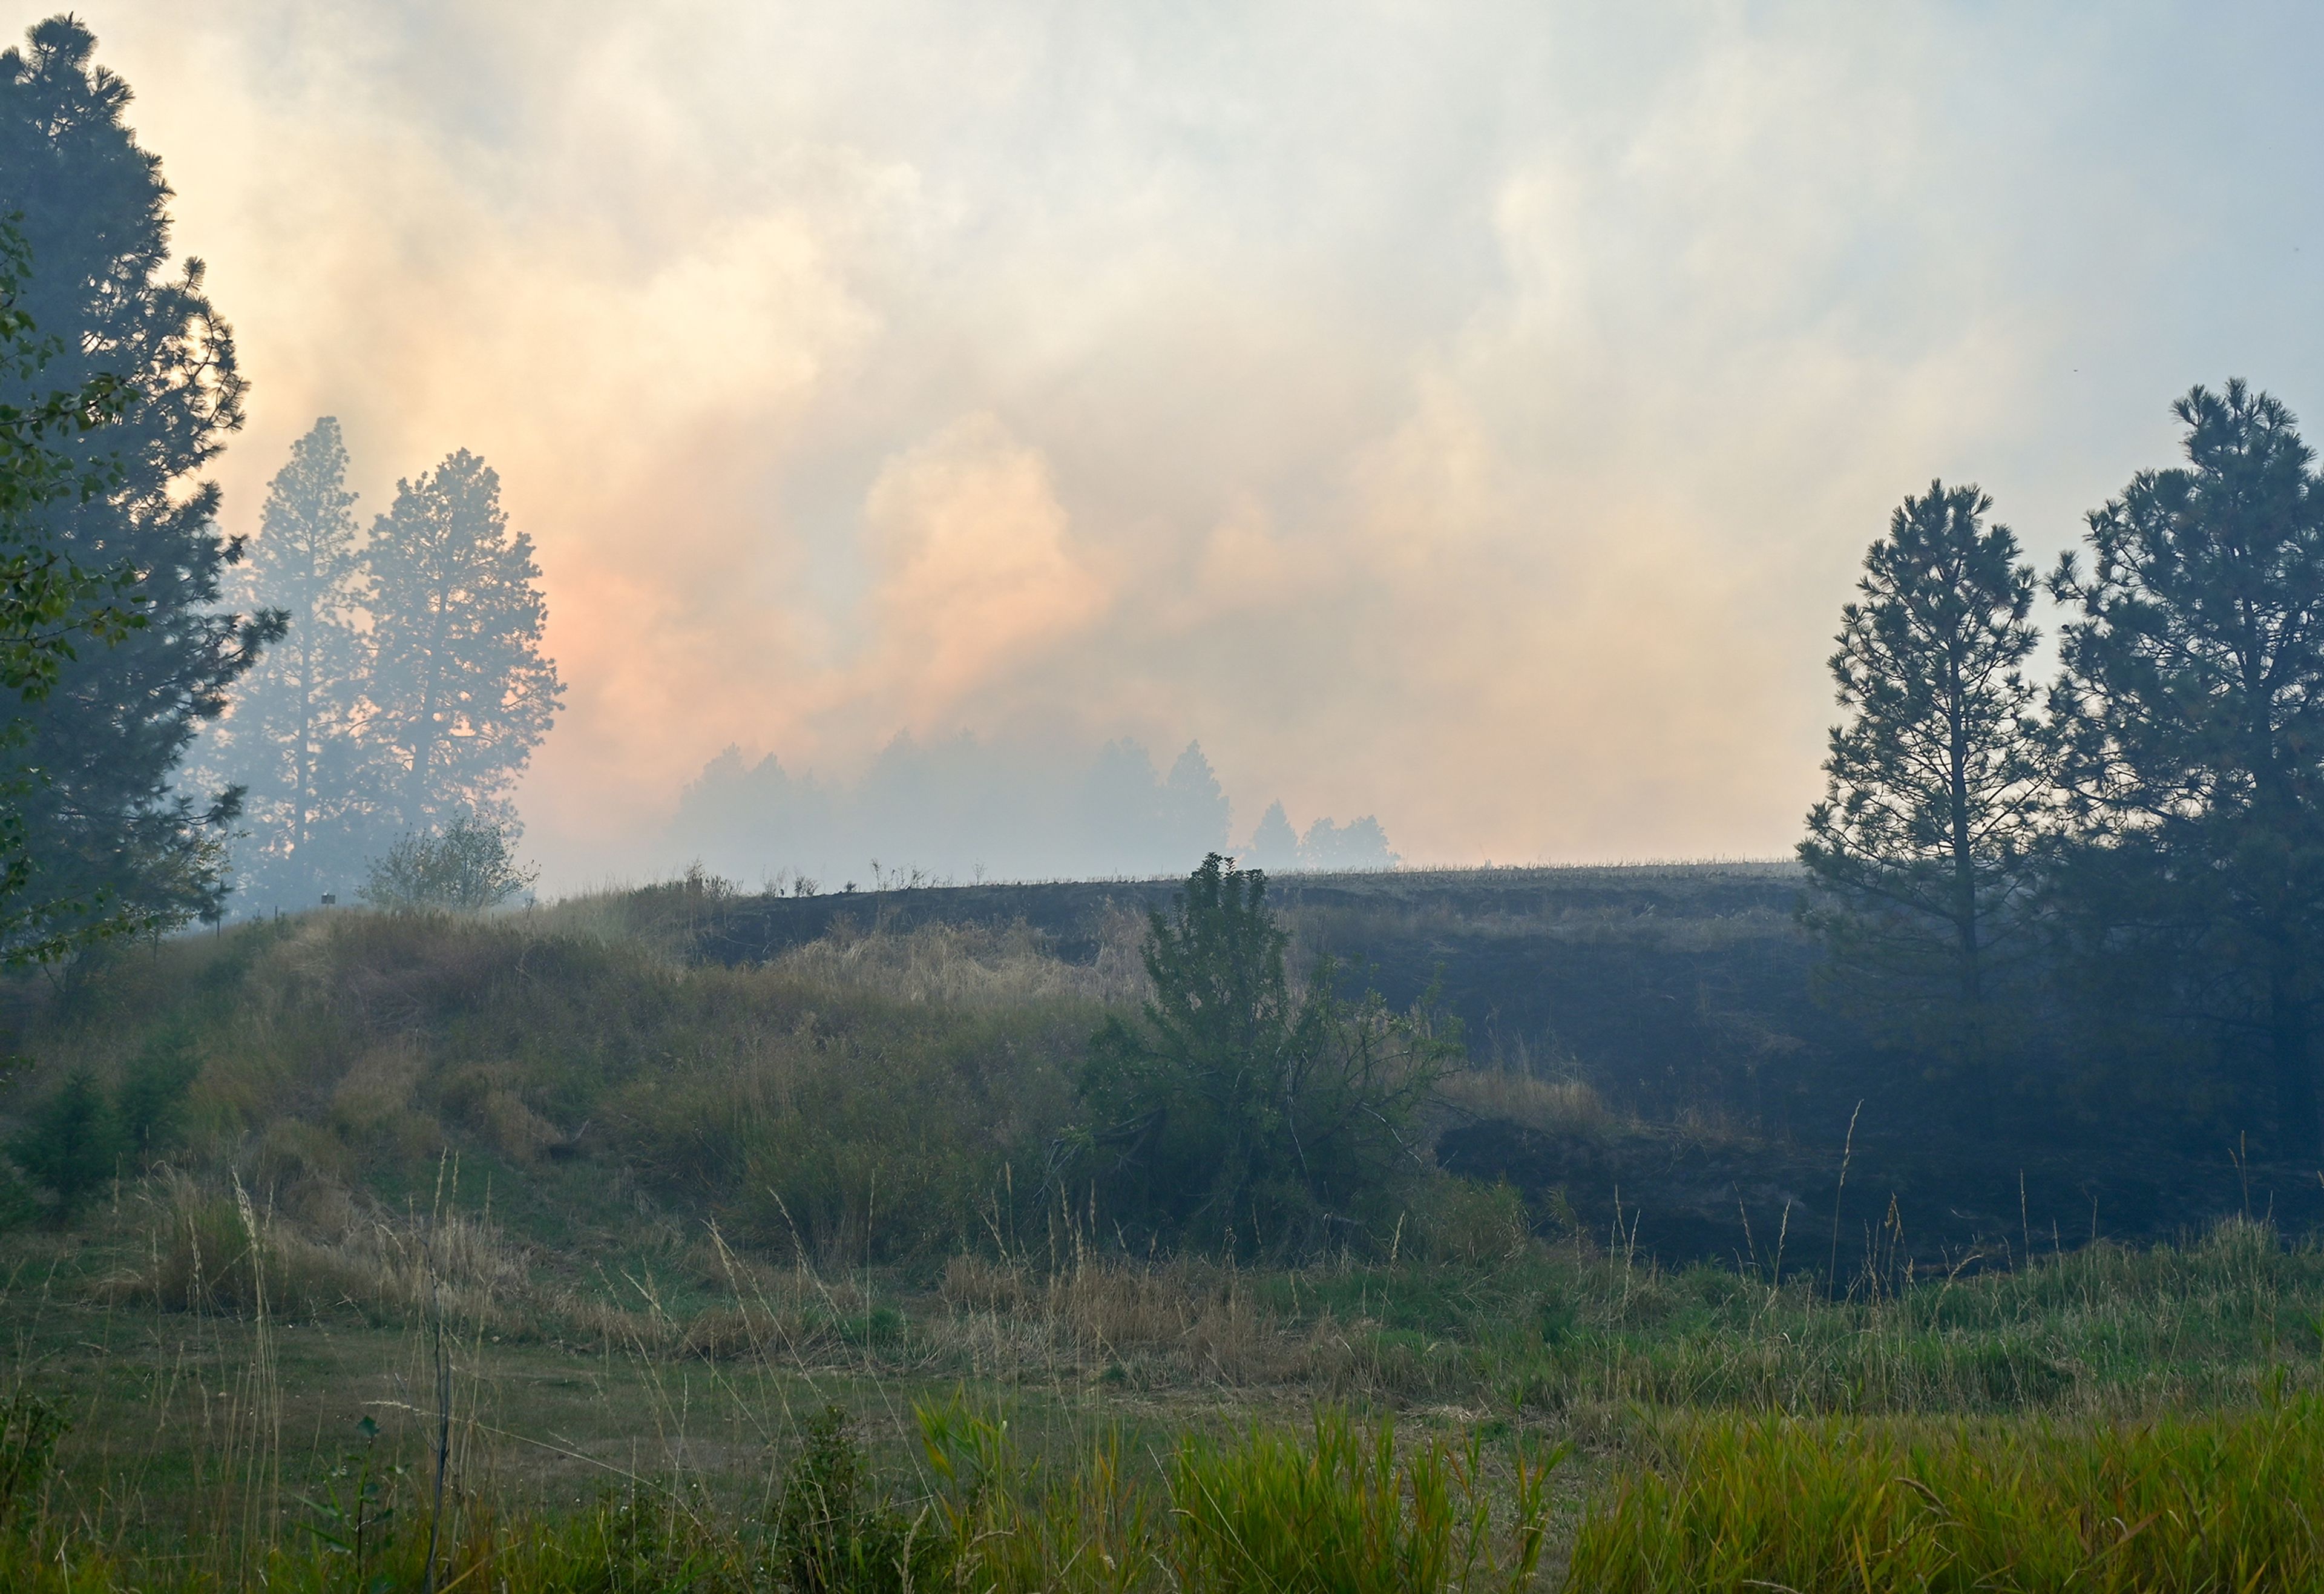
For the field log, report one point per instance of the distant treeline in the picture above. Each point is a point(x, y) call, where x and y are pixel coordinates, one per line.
point(963, 809)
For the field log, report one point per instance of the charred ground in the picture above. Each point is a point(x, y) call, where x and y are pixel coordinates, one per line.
point(1685, 999)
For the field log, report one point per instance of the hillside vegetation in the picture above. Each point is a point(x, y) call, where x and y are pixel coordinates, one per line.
point(864, 1096)
point(681, 1269)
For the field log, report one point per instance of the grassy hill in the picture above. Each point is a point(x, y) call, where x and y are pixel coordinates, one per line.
point(1651, 1049)
point(882, 1076)
point(591, 1208)
point(1665, 986)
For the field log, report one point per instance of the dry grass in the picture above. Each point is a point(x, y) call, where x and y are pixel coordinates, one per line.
point(1554, 1106)
point(1173, 1322)
point(715, 1348)
point(663, 921)
point(873, 1090)
point(209, 1249)
point(973, 966)
point(809, 1181)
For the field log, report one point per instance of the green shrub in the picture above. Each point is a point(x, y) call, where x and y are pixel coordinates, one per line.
point(78, 1139)
point(1238, 1113)
point(469, 866)
point(151, 1104)
point(1460, 1220)
point(71, 1143)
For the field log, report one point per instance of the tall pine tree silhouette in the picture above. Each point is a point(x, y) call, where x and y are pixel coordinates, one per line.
point(1274, 845)
point(2191, 713)
point(460, 694)
point(102, 817)
point(1195, 813)
point(1935, 795)
point(291, 739)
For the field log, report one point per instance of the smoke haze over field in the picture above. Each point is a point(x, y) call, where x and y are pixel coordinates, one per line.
point(1472, 415)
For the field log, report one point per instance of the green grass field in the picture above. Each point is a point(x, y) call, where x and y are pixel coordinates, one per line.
point(537, 1214)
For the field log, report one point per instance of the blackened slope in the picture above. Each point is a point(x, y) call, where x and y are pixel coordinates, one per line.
point(1069, 913)
point(1665, 986)
point(1938, 1204)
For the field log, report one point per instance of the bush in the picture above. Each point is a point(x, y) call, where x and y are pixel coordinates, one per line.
point(1237, 1112)
point(78, 1139)
point(151, 1104)
point(1462, 1221)
point(71, 1143)
point(467, 867)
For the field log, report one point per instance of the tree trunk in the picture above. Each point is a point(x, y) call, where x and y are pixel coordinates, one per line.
point(1974, 1065)
point(302, 859)
point(423, 737)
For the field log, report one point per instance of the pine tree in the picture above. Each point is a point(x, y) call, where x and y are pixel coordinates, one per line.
point(1238, 1110)
point(1195, 814)
point(1119, 818)
point(97, 753)
point(1274, 845)
point(292, 739)
point(2191, 712)
point(1935, 790)
point(71, 1143)
point(51, 605)
point(459, 693)
point(1360, 844)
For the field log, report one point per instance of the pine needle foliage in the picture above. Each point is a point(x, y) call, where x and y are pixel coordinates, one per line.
point(113, 831)
point(1237, 1112)
point(2191, 718)
point(460, 692)
point(1935, 793)
point(293, 741)
point(51, 605)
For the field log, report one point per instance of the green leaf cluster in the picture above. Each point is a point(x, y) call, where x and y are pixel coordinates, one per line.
point(467, 866)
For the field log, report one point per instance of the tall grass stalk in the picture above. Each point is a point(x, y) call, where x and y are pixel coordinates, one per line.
point(2178, 1502)
point(1345, 1512)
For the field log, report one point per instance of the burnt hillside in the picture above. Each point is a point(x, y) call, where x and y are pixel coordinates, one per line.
point(1683, 994)
point(1666, 987)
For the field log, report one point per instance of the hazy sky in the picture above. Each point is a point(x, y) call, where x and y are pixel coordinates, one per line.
point(1471, 414)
